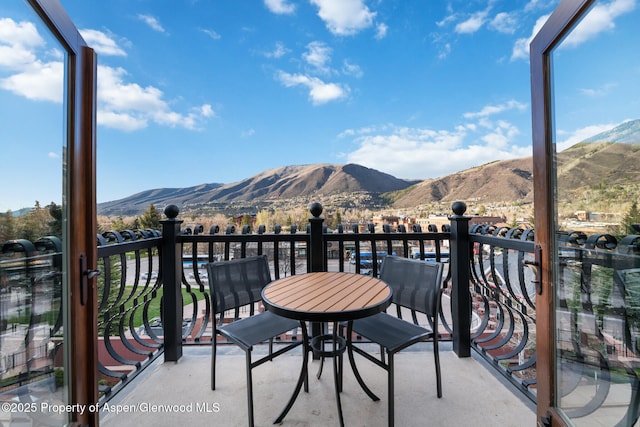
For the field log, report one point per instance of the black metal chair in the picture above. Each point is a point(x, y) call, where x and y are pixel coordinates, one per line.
point(235, 284)
point(416, 285)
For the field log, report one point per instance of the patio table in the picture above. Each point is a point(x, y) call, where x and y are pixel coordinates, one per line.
point(326, 297)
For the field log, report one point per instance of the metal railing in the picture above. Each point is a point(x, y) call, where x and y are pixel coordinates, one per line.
point(503, 302)
point(289, 254)
point(129, 293)
point(154, 297)
point(598, 326)
point(144, 270)
point(30, 310)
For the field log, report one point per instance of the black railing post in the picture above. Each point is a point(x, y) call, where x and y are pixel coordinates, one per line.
point(316, 253)
point(316, 240)
point(460, 295)
point(171, 283)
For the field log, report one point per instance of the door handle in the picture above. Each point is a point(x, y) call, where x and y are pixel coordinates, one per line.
point(536, 267)
point(85, 275)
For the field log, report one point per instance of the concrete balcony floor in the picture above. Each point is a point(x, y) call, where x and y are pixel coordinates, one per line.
point(472, 394)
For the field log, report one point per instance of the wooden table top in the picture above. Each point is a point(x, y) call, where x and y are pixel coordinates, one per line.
point(327, 296)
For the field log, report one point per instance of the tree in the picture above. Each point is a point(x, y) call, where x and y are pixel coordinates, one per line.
point(265, 217)
point(55, 225)
point(151, 218)
point(631, 217)
point(7, 226)
point(337, 219)
point(34, 224)
point(246, 220)
point(119, 224)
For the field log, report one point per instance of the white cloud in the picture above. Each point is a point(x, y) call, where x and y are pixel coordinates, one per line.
point(248, 133)
point(278, 51)
point(445, 50)
point(473, 24)
point(117, 94)
point(129, 106)
point(121, 121)
point(505, 23)
point(19, 33)
point(415, 153)
point(152, 22)
point(600, 18)
point(381, 31)
point(319, 91)
point(206, 110)
point(32, 74)
point(15, 57)
point(521, 46)
point(318, 55)
point(601, 91)
point(280, 7)
point(421, 153)
point(351, 69)
point(500, 135)
point(122, 105)
point(447, 19)
point(39, 81)
point(489, 110)
point(102, 43)
point(344, 17)
point(566, 139)
point(211, 33)
point(18, 40)
point(533, 5)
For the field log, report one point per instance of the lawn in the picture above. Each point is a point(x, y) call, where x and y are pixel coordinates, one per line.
point(154, 305)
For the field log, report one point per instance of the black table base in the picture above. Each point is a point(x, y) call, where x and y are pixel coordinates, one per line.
point(316, 345)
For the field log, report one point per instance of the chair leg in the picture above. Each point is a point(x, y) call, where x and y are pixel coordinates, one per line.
point(341, 371)
point(354, 367)
point(323, 330)
point(249, 387)
point(213, 360)
point(391, 389)
point(319, 374)
point(436, 357)
point(306, 349)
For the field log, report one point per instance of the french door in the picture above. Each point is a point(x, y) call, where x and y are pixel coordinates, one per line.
point(48, 368)
point(585, 77)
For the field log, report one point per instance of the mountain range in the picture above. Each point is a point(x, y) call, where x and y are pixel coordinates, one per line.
point(582, 168)
point(284, 183)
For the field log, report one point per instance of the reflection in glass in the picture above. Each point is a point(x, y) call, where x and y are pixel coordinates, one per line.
point(597, 277)
point(32, 119)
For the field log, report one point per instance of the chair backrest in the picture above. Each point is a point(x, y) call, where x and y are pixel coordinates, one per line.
point(416, 284)
point(237, 283)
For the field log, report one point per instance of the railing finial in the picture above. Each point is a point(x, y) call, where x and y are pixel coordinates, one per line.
point(316, 209)
point(459, 208)
point(171, 211)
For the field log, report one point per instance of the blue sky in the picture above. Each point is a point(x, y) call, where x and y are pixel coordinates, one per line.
point(203, 91)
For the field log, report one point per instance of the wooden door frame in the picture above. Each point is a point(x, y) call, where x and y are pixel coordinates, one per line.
point(561, 21)
point(80, 350)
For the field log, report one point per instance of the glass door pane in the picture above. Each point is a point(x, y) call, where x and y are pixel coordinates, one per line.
point(596, 139)
point(33, 282)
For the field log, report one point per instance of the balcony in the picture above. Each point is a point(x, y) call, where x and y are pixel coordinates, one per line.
point(149, 358)
point(184, 387)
